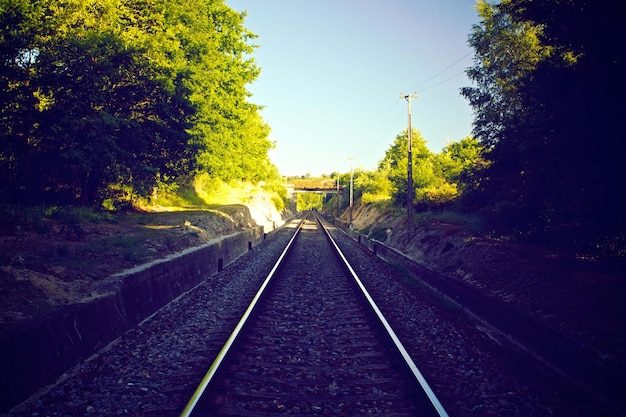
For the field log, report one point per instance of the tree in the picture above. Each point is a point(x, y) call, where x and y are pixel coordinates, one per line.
point(111, 94)
point(111, 122)
point(22, 27)
point(395, 163)
point(230, 130)
point(101, 111)
point(453, 167)
point(309, 201)
point(373, 186)
point(506, 52)
point(457, 158)
point(545, 76)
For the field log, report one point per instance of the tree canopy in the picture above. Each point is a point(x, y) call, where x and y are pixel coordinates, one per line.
point(436, 176)
point(102, 96)
point(547, 79)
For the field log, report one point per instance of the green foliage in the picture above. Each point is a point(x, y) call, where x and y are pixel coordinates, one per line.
point(102, 113)
point(457, 158)
point(278, 202)
point(14, 219)
point(506, 52)
point(102, 96)
point(395, 164)
point(309, 201)
point(436, 177)
point(374, 186)
point(201, 191)
point(546, 79)
point(436, 195)
point(278, 193)
point(77, 215)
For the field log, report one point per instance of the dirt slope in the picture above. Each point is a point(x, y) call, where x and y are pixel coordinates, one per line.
point(579, 297)
point(67, 263)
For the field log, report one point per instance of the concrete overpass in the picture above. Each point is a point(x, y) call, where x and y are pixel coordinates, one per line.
point(294, 189)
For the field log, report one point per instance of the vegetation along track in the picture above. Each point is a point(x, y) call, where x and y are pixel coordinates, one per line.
point(313, 343)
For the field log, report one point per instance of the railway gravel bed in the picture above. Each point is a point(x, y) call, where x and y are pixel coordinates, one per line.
point(153, 369)
point(312, 346)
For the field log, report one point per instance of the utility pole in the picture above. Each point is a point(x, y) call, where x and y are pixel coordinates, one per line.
point(409, 194)
point(338, 197)
point(351, 188)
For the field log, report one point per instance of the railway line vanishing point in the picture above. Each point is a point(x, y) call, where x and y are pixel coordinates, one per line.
point(313, 342)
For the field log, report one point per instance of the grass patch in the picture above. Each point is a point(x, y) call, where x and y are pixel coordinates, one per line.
point(128, 247)
point(203, 192)
point(470, 222)
point(41, 218)
point(70, 215)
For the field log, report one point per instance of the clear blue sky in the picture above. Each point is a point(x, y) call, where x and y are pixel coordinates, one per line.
point(332, 72)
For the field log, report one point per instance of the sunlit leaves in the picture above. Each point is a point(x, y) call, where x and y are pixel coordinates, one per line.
point(506, 53)
point(101, 92)
point(435, 176)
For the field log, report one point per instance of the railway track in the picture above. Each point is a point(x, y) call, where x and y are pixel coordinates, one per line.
point(154, 369)
point(313, 343)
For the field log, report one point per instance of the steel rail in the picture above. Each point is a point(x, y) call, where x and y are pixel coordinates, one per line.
point(190, 408)
point(390, 332)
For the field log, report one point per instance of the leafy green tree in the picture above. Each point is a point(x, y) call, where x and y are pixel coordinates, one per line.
point(111, 121)
point(22, 27)
point(309, 201)
point(374, 186)
point(101, 113)
point(437, 178)
point(506, 52)
point(232, 135)
point(109, 94)
point(457, 158)
point(546, 73)
point(451, 167)
point(395, 163)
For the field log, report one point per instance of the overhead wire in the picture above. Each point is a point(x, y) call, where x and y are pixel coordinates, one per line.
point(384, 124)
point(441, 72)
point(387, 118)
point(443, 82)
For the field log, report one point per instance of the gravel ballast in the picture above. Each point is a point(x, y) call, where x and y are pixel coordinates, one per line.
point(150, 370)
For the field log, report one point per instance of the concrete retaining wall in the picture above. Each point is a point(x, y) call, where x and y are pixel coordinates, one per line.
point(35, 356)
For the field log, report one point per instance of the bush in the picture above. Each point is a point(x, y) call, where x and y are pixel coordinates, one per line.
point(374, 198)
point(278, 202)
point(70, 215)
point(436, 195)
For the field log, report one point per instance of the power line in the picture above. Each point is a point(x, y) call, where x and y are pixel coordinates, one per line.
point(442, 82)
point(386, 119)
point(384, 125)
point(442, 71)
